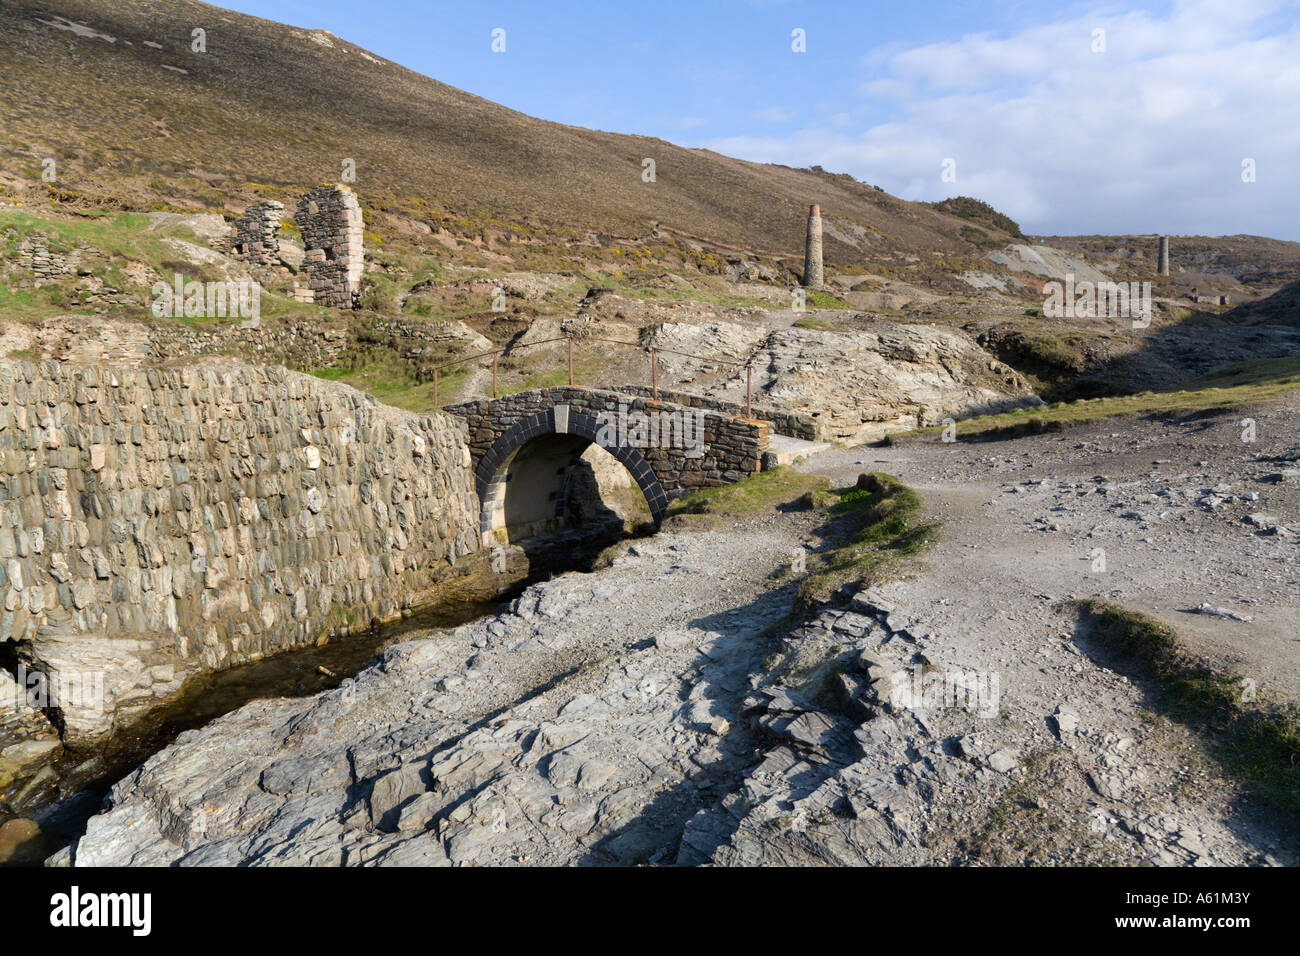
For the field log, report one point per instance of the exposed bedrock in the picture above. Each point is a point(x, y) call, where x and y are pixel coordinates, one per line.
point(854, 386)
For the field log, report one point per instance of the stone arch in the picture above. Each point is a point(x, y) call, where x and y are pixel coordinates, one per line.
point(493, 468)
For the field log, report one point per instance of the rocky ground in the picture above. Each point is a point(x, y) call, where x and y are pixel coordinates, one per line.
point(665, 710)
point(584, 723)
point(1162, 515)
point(856, 386)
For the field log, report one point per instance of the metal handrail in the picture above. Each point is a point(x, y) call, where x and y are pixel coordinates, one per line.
point(526, 345)
point(654, 364)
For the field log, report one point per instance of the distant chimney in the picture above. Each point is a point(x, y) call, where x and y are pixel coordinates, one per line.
point(1164, 256)
point(812, 251)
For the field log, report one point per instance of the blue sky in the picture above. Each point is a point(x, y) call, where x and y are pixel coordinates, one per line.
point(1149, 133)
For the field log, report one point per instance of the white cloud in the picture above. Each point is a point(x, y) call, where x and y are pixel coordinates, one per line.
point(774, 114)
point(1148, 136)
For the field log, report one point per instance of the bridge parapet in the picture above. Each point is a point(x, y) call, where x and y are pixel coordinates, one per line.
point(686, 448)
point(782, 423)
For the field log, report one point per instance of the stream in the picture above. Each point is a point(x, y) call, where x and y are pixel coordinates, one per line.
point(82, 778)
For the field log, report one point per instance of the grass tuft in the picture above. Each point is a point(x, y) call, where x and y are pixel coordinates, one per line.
point(761, 492)
point(1256, 741)
point(872, 528)
point(869, 529)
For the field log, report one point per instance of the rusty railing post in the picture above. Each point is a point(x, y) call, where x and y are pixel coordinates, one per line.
point(570, 361)
point(654, 372)
point(749, 391)
point(494, 374)
point(435, 388)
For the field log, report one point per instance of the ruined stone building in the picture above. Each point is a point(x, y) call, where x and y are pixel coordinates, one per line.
point(329, 217)
point(257, 233)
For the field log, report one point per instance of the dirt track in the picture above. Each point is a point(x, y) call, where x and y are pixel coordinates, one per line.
point(1022, 522)
point(1024, 517)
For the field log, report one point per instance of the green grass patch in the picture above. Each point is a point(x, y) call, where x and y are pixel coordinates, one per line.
point(761, 492)
point(1259, 372)
point(584, 370)
point(869, 531)
point(1256, 741)
point(121, 234)
point(813, 322)
point(818, 299)
point(1230, 387)
point(872, 529)
point(1061, 352)
point(391, 382)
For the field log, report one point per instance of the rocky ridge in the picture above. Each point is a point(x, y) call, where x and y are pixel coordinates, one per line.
point(857, 386)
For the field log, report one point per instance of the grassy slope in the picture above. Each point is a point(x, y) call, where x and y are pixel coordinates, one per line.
point(106, 242)
point(1237, 384)
point(268, 112)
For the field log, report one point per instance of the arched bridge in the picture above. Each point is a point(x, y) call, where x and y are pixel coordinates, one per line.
point(523, 445)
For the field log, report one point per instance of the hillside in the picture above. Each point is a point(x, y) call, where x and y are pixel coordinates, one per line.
point(462, 196)
point(874, 623)
point(1280, 308)
point(135, 120)
point(1254, 264)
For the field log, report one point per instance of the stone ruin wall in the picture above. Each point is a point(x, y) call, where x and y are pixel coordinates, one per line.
point(257, 233)
point(156, 525)
point(329, 218)
point(291, 342)
point(297, 343)
point(34, 254)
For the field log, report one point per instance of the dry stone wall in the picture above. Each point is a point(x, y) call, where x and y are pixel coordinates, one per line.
point(34, 254)
point(156, 525)
point(294, 343)
point(299, 343)
point(332, 234)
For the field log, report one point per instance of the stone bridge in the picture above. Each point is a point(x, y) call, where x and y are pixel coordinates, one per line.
point(524, 445)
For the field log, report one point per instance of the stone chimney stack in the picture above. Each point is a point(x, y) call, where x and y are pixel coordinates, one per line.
point(812, 250)
point(1164, 256)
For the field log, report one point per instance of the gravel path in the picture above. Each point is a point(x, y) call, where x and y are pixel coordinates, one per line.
point(1166, 504)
